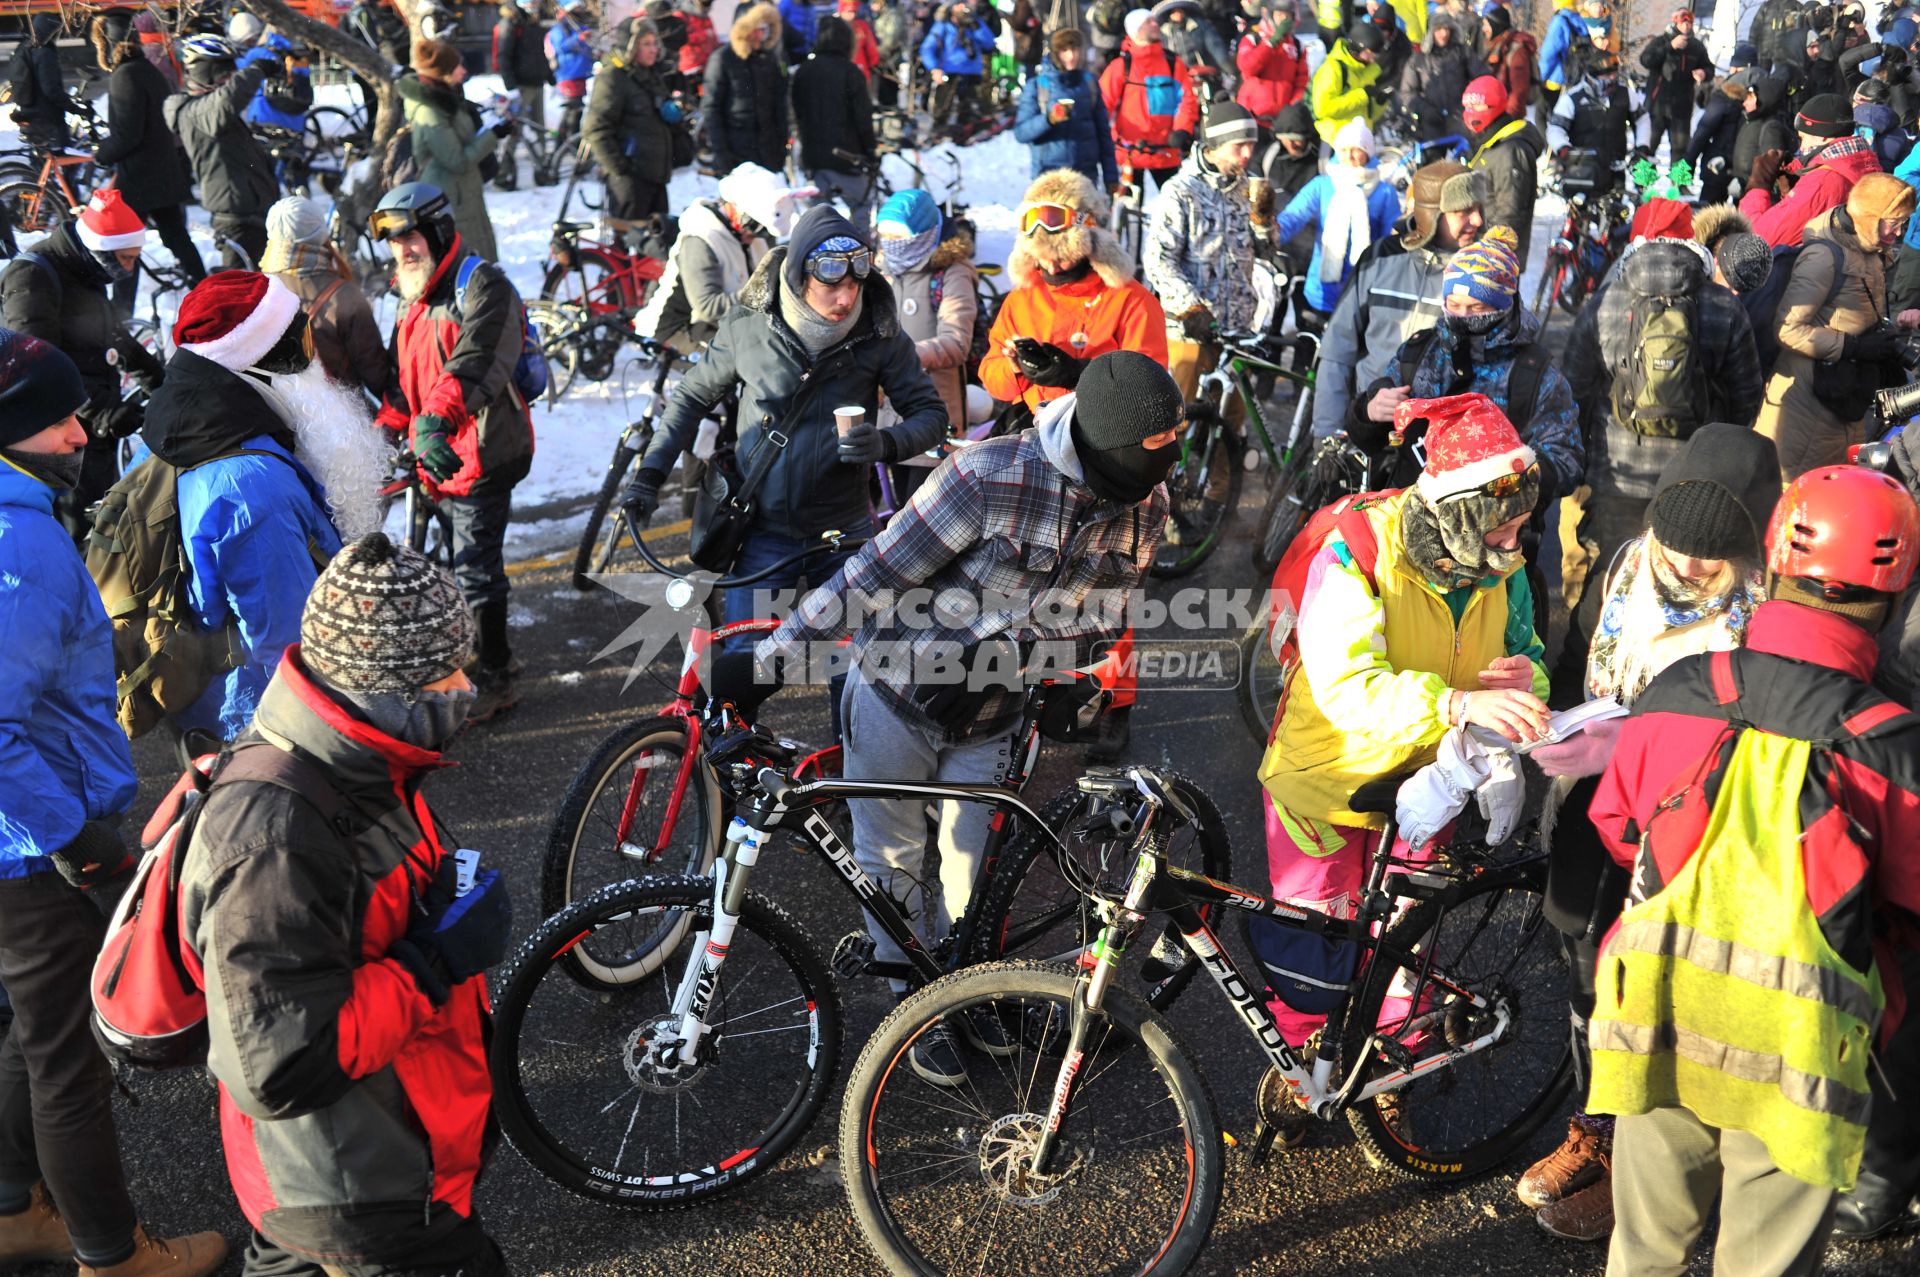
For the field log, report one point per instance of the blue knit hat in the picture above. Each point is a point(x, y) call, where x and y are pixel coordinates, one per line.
point(39, 387)
point(914, 210)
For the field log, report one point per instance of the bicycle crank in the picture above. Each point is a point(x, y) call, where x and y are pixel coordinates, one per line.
point(1006, 1160)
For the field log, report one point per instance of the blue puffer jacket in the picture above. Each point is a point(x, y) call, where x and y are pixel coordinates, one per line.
point(279, 104)
point(1909, 172)
point(798, 25)
point(957, 52)
point(1083, 142)
point(568, 51)
point(1566, 29)
point(1308, 209)
point(63, 759)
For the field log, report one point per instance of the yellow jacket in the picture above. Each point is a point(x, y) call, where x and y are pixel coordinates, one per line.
point(1339, 92)
point(1377, 660)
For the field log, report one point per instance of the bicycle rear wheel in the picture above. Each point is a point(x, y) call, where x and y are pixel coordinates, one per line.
point(1553, 278)
point(1261, 683)
point(557, 325)
point(590, 283)
point(1202, 491)
point(941, 1180)
point(1467, 1118)
point(589, 1088)
point(30, 208)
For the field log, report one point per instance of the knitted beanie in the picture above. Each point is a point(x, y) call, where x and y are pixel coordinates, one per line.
point(435, 58)
point(1355, 134)
point(1124, 397)
point(385, 618)
point(1227, 122)
point(1134, 20)
point(1487, 270)
point(1702, 519)
point(1746, 260)
point(1825, 115)
point(914, 211)
point(1293, 121)
point(39, 387)
point(296, 220)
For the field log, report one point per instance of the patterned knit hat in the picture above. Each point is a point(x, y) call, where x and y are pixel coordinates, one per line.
point(1487, 270)
point(385, 618)
point(1745, 259)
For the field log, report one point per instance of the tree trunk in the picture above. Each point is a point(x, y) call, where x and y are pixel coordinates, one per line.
point(371, 66)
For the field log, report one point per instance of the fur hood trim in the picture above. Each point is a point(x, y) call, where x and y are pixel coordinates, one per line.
point(767, 15)
point(957, 247)
point(1717, 221)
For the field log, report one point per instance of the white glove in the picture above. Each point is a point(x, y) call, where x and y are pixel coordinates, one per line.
point(1502, 794)
point(1432, 797)
point(490, 120)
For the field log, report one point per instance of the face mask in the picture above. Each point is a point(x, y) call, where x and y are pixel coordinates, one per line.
point(435, 718)
point(111, 264)
point(1127, 475)
point(1474, 325)
point(1604, 83)
point(60, 471)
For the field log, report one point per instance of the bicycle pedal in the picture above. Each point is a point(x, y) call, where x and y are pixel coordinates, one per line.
point(1396, 1052)
point(853, 955)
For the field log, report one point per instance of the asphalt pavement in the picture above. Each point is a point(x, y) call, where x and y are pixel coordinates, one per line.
point(1317, 1209)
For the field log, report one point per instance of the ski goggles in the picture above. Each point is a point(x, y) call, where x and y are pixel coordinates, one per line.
point(391, 223)
point(833, 267)
point(1052, 218)
point(1502, 485)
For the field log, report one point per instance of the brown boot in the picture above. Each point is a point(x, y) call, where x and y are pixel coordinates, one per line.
point(36, 1233)
point(1586, 1216)
point(1578, 1162)
point(192, 1256)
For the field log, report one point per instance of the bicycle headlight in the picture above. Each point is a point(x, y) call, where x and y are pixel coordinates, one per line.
point(679, 594)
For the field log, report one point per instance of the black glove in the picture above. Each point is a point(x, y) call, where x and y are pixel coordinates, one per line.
point(96, 855)
point(866, 443)
point(503, 128)
point(954, 702)
point(1197, 325)
point(122, 421)
point(735, 678)
point(455, 938)
point(1180, 140)
point(1874, 346)
point(431, 449)
point(642, 496)
point(1045, 364)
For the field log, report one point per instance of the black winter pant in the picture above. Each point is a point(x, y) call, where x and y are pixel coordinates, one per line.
point(1586, 891)
point(1677, 124)
point(171, 223)
point(465, 1252)
point(957, 100)
point(56, 1089)
point(480, 558)
point(633, 199)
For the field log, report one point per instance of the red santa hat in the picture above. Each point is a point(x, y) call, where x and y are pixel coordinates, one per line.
point(1470, 443)
point(234, 317)
point(108, 225)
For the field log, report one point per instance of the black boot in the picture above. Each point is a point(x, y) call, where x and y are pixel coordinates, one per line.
point(1874, 1208)
point(494, 676)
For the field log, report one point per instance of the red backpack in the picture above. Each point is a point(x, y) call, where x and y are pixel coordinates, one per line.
point(149, 1001)
point(1348, 517)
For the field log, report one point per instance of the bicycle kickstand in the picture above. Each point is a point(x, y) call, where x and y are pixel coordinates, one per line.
point(1263, 1137)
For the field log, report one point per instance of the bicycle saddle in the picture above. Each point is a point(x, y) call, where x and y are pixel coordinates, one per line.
point(989, 269)
point(571, 228)
point(1376, 797)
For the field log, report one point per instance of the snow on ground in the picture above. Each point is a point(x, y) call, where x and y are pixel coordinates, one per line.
point(575, 438)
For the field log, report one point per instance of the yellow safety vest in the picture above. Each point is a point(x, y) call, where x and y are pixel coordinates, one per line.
point(1720, 995)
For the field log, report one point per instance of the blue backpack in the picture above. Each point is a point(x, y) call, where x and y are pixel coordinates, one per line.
point(530, 373)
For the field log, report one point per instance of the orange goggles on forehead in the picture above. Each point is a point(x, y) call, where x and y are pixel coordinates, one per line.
point(1052, 218)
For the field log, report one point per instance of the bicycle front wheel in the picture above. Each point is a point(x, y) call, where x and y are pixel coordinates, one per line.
point(629, 813)
point(942, 1180)
point(1467, 1118)
point(557, 325)
point(591, 1087)
point(1261, 683)
point(1285, 513)
point(1553, 279)
point(1202, 491)
point(586, 558)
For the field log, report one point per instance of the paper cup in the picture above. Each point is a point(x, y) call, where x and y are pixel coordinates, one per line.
point(845, 419)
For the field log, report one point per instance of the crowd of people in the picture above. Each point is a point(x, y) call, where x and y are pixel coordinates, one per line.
point(1727, 870)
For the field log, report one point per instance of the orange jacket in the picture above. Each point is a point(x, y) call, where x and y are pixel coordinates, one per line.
point(1149, 96)
point(1109, 317)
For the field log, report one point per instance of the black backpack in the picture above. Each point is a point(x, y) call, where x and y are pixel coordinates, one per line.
point(1763, 303)
point(22, 90)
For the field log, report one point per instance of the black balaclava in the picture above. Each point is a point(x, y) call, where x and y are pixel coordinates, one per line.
point(1123, 398)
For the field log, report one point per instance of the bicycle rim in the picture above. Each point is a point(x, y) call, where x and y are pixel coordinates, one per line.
point(1285, 514)
point(1201, 492)
point(616, 476)
point(942, 1180)
point(590, 283)
point(557, 325)
point(580, 1083)
point(1466, 1119)
point(1260, 683)
point(630, 782)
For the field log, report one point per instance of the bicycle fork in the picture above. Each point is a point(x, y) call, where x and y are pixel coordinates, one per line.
point(701, 981)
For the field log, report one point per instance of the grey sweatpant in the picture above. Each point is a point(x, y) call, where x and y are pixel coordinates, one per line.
point(890, 836)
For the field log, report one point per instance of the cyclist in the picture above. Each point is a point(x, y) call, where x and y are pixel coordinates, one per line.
point(1830, 160)
point(833, 116)
point(1764, 124)
point(746, 93)
point(1199, 44)
point(40, 100)
point(701, 42)
point(1345, 88)
point(1676, 62)
point(451, 138)
point(1763, 801)
point(1602, 115)
point(954, 54)
point(1074, 298)
point(1344, 210)
point(570, 53)
point(1566, 31)
point(521, 63)
point(629, 123)
point(1435, 633)
point(721, 241)
point(1434, 78)
point(347, 339)
point(1688, 583)
point(1080, 495)
point(1150, 102)
point(283, 101)
point(1507, 148)
point(929, 263)
point(232, 170)
point(1061, 117)
point(1512, 56)
point(1201, 246)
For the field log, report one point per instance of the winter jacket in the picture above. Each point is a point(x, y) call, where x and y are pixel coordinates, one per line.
point(937, 307)
point(1612, 123)
point(284, 99)
point(1435, 78)
point(1307, 211)
point(1714, 135)
point(1508, 152)
point(1812, 332)
point(866, 48)
point(232, 170)
point(347, 339)
point(63, 758)
point(1340, 92)
point(352, 1110)
point(832, 106)
point(1272, 76)
point(147, 161)
point(449, 144)
point(746, 97)
point(798, 23)
point(47, 114)
point(1670, 73)
point(62, 299)
point(255, 529)
point(1564, 31)
point(1777, 27)
point(706, 271)
point(1766, 128)
point(519, 53)
point(456, 361)
point(1149, 96)
point(890, 32)
point(569, 50)
point(1107, 308)
point(947, 48)
point(1196, 43)
point(808, 490)
point(1823, 184)
point(1549, 424)
point(1394, 290)
point(1289, 175)
point(1379, 660)
point(1511, 58)
point(623, 126)
point(1909, 172)
point(1083, 143)
point(1029, 40)
point(701, 42)
point(1010, 518)
point(1620, 461)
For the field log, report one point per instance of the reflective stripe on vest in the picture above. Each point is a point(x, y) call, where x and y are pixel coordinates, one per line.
point(1720, 995)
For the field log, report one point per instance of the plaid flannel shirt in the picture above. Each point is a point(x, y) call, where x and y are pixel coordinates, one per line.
point(1005, 543)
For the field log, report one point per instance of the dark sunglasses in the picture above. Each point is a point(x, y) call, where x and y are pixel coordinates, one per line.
point(831, 268)
point(1502, 485)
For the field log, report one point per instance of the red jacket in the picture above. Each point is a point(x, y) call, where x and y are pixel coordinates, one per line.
point(1512, 59)
point(700, 44)
point(1803, 671)
point(1272, 76)
point(1149, 96)
point(1823, 185)
point(866, 49)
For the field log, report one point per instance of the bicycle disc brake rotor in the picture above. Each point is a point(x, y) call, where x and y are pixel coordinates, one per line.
point(652, 1060)
point(1006, 1161)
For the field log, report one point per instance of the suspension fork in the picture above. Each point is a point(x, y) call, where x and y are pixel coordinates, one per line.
point(701, 980)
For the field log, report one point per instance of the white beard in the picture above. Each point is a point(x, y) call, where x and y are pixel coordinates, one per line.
point(413, 280)
point(337, 440)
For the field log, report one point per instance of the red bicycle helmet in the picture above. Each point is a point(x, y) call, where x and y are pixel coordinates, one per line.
point(1848, 525)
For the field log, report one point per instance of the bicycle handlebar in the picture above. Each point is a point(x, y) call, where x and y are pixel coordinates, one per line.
point(832, 541)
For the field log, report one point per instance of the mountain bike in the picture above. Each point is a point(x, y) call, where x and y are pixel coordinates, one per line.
point(428, 526)
point(50, 186)
point(1593, 234)
point(1094, 1144)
